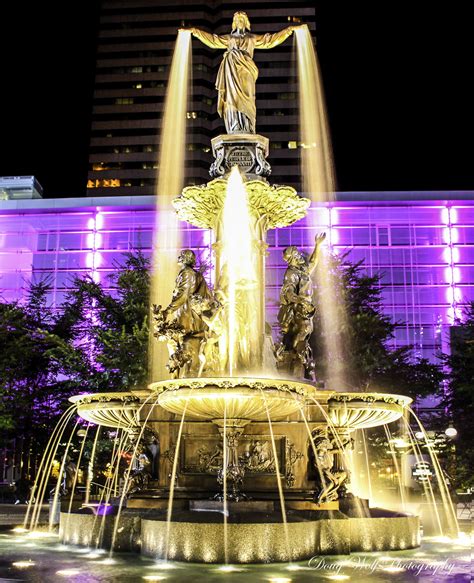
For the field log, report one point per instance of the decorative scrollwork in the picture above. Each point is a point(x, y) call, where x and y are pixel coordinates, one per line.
point(217, 168)
point(279, 205)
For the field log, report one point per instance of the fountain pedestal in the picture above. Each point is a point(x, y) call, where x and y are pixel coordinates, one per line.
point(247, 151)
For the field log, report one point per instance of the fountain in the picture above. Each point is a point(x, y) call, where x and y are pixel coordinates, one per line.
point(253, 463)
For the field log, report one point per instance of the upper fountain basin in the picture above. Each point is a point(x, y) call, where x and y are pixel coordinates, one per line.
point(117, 410)
point(252, 399)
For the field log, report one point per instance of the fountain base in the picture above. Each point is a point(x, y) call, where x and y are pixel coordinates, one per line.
point(254, 537)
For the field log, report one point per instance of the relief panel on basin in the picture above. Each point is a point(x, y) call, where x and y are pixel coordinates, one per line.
point(203, 454)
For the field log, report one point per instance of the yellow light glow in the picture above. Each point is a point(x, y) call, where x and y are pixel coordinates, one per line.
point(154, 577)
point(238, 275)
point(41, 534)
point(338, 577)
point(170, 181)
point(229, 569)
point(19, 529)
point(318, 167)
point(165, 566)
point(23, 564)
point(68, 572)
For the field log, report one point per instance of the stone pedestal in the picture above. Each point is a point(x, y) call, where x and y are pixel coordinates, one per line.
point(247, 151)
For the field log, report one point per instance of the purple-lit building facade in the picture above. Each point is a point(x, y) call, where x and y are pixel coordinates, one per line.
point(421, 242)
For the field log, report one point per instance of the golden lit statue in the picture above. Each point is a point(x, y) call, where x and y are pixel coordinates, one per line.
point(329, 478)
point(179, 325)
point(238, 73)
point(297, 310)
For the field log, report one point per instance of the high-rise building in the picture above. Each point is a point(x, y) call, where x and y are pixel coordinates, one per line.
point(135, 45)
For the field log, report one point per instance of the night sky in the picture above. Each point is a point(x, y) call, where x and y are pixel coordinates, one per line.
point(396, 77)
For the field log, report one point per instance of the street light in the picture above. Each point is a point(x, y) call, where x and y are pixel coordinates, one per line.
point(451, 432)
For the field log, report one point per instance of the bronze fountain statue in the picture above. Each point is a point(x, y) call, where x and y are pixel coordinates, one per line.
point(238, 72)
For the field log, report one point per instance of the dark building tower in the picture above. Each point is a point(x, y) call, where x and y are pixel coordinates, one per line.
point(135, 47)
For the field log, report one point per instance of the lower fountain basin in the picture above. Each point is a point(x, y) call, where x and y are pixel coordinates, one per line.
point(253, 537)
point(233, 398)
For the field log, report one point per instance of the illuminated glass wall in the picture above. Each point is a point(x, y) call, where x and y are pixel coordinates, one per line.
point(423, 248)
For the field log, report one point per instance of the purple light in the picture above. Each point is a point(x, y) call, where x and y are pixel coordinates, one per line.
point(416, 244)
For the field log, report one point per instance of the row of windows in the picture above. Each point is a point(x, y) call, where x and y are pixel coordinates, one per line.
point(193, 146)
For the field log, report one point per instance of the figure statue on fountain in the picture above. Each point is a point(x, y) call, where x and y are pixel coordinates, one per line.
point(141, 474)
point(179, 325)
point(297, 310)
point(329, 478)
point(238, 72)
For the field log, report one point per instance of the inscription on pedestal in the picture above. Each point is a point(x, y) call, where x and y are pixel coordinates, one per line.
point(247, 151)
point(242, 157)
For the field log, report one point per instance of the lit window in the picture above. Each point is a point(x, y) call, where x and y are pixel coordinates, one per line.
point(136, 70)
point(292, 145)
point(191, 114)
point(138, 86)
point(107, 183)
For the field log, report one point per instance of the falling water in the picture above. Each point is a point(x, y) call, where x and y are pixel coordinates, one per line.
point(129, 469)
point(90, 466)
point(173, 480)
point(443, 487)
point(108, 489)
point(76, 476)
point(319, 185)
point(56, 501)
point(393, 454)
point(317, 158)
point(427, 486)
point(39, 486)
point(278, 477)
point(370, 493)
point(170, 182)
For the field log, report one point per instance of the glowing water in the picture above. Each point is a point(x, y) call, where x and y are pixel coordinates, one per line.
point(56, 500)
point(278, 477)
point(316, 155)
point(44, 470)
point(173, 481)
point(393, 453)
point(170, 183)
point(238, 282)
point(452, 521)
point(129, 469)
point(90, 467)
point(319, 185)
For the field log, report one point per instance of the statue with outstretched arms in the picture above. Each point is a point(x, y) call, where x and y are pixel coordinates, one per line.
point(238, 72)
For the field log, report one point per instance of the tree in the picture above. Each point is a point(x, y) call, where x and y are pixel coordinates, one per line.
point(33, 386)
point(95, 341)
point(113, 327)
